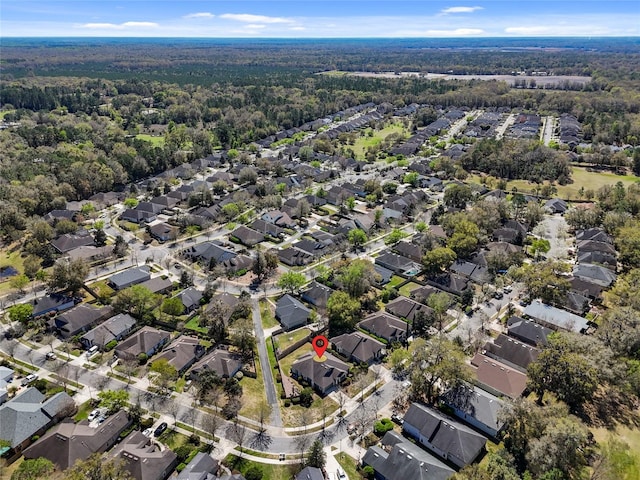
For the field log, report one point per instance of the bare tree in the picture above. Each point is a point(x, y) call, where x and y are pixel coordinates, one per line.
point(48, 340)
point(129, 367)
point(342, 400)
point(12, 345)
point(210, 425)
point(237, 433)
point(173, 408)
point(189, 417)
point(262, 438)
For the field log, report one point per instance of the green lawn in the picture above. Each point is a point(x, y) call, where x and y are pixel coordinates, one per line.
point(269, 471)
point(253, 393)
point(102, 289)
point(173, 439)
point(194, 324)
point(364, 141)
point(629, 436)
point(286, 362)
point(406, 289)
point(395, 281)
point(83, 411)
point(266, 313)
point(287, 339)
point(11, 259)
point(155, 141)
point(349, 464)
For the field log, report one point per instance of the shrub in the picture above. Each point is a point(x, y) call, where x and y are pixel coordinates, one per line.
point(287, 403)
point(254, 473)
point(183, 451)
point(368, 472)
point(306, 397)
point(142, 358)
point(110, 345)
point(180, 467)
point(194, 439)
point(146, 422)
point(382, 426)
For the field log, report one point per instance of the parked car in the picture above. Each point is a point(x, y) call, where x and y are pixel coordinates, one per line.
point(94, 413)
point(161, 428)
point(341, 474)
point(148, 432)
point(498, 295)
point(50, 356)
point(282, 457)
point(396, 419)
point(29, 379)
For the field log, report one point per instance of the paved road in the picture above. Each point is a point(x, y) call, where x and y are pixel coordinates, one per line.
point(546, 135)
point(267, 372)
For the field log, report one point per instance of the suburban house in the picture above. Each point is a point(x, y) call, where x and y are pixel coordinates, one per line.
point(246, 236)
point(386, 326)
point(223, 362)
point(90, 253)
point(147, 340)
point(161, 284)
point(138, 216)
point(209, 253)
point(408, 309)
point(512, 352)
point(399, 459)
point(143, 458)
point(278, 218)
point(182, 353)
point(422, 294)
point(555, 318)
point(398, 263)
point(595, 274)
point(131, 276)
point(6, 377)
point(267, 228)
point(163, 232)
point(317, 295)
point(79, 319)
point(201, 467)
point(478, 408)
point(115, 328)
point(52, 303)
point(310, 473)
point(291, 313)
point(498, 378)
point(31, 413)
point(528, 331)
point(294, 257)
point(322, 376)
point(190, 298)
point(409, 250)
point(443, 436)
point(556, 205)
point(70, 442)
point(358, 347)
point(69, 241)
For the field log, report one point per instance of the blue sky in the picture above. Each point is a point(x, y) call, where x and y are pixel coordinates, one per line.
point(318, 18)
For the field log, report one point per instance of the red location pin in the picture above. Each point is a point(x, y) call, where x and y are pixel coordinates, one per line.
point(320, 344)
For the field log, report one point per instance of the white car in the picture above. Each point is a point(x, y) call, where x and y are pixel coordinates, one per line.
point(29, 379)
point(341, 474)
point(148, 432)
point(93, 415)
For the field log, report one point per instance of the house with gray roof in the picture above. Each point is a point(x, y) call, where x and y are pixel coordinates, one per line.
point(408, 309)
point(511, 352)
point(223, 362)
point(555, 318)
point(310, 473)
point(317, 295)
point(384, 325)
point(476, 407)
point(398, 263)
point(143, 458)
point(247, 236)
point(52, 303)
point(595, 274)
point(190, 298)
point(70, 442)
point(528, 331)
point(31, 413)
point(182, 352)
point(147, 340)
point(443, 436)
point(163, 231)
point(201, 467)
point(161, 284)
point(400, 459)
point(291, 313)
point(69, 241)
point(6, 377)
point(79, 319)
point(115, 328)
point(358, 347)
point(90, 253)
point(325, 376)
point(208, 253)
point(131, 276)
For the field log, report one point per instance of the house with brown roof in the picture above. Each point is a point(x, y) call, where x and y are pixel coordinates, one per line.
point(358, 347)
point(498, 378)
point(69, 241)
point(70, 442)
point(143, 458)
point(406, 308)
point(182, 352)
point(147, 340)
point(79, 319)
point(246, 236)
point(384, 325)
point(512, 352)
point(223, 362)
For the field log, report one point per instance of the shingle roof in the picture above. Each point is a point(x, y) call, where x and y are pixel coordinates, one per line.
point(79, 317)
point(555, 317)
point(477, 404)
point(223, 362)
point(385, 326)
point(357, 345)
point(142, 341)
point(528, 331)
point(291, 312)
point(182, 352)
point(110, 329)
point(143, 458)
point(310, 473)
point(498, 376)
point(130, 276)
point(511, 351)
point(594, 273)
point(201, 467)
point(322, 374)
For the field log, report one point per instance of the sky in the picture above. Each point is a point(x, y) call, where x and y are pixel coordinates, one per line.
point(318, 18)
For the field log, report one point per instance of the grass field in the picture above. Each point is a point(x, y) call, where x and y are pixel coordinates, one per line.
point(194, 324)
point(269, 471)
point(629, 436)
point(155, 141)
point(365, 141)
point(349, 464)
point(581, 179)
point(287, 339)
point(395, 281)
point(10, 259)
point(406, 288)
point(266, 313)
point(253, 393)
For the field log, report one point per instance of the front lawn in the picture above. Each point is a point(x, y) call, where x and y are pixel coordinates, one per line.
point(349, 464)
point(407, 288)
point(83, 411)
point(269, 471)
point(253, 393)
point(266, 313)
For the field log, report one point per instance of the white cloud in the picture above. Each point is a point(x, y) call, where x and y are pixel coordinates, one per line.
point(298, 29)
point(460, 10)
point(533, 30)
point(200, 15)
point(254, 26)
point(454, 33)
point(249, 18)
point(120, 26)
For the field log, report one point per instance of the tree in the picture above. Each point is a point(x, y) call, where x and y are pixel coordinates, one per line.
point(164, 374)
point(350, 203)
point(438, 260)
point(464, 239)
point(395, 236)
point(411, 178)
point(248, 175)
point(32, 265)
point(292, 281)
point(343, 312)
point(437, 364)
point(457, 196)
point(616, 461)
point(120, 247)
point(543, 281)
point(100, 238)
point(562, 368)
point(439, 302)
point(316, 456)
point(265, 265)
point(173, 306)
point(357, 277)
point(538, 246)
point(113, 400)
point(357, 237)
point(34, 469)
point(628, 244)
point(96, 467)
point(68, 275)
point(20, 313)
point(137, 300)
point(19, 282)
point(244, 339)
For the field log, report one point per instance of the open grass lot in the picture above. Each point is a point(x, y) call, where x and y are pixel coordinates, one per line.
point(269, 471)
point(406, 288)
point(267, 315)
point(365, 141)
point(102, 289)
point(292, 415)
point(581, 178)
point(287, 339)
point(253, 393)
point(349, 464)
point(630, 436)
point(194, 324)
point(155, 141)
point(9, 258)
